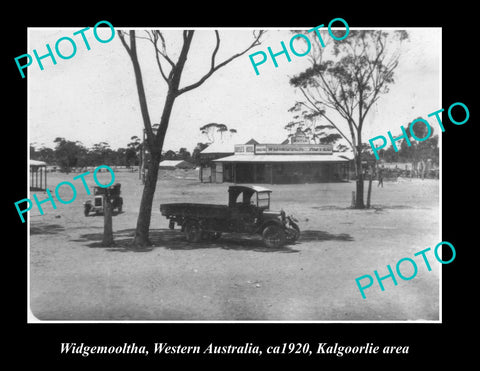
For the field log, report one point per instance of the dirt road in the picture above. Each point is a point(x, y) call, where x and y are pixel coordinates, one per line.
point(236, 278)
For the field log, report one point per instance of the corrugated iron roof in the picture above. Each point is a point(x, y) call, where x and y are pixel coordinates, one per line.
point(37, 163)
point(171, 162)
point(219, 147)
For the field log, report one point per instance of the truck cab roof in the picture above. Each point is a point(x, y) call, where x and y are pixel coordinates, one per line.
point(252, 188)
point(247, 191)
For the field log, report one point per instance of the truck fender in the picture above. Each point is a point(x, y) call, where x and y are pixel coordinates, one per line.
point(270, 222)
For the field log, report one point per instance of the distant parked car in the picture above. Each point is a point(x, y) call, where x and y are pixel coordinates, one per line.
point(247, 212)
point(99, 193)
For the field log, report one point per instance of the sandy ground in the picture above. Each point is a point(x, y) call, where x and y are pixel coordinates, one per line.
point(72, 277)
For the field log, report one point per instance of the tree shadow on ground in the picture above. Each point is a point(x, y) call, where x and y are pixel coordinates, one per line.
point(376, 208)
point(330, 207)
point(46, 229)
point(386, 208)
point(175, 240)
point(100, 214)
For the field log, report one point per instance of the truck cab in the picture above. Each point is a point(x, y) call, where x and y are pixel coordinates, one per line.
point(239, 195)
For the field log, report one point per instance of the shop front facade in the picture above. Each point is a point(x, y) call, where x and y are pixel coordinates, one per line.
point(282, 163)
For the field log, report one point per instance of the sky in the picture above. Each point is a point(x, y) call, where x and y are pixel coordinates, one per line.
point(92, 97)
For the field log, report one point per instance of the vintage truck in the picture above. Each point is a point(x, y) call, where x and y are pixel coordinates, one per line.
point(247, 212)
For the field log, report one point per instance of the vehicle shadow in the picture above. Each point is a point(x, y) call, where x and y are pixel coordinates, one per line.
point(175, 240)
point(100, 214)
point(314, 235)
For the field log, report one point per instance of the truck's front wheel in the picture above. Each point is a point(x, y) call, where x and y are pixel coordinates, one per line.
point(192, 231)
point(86, 209)
point(273, 236)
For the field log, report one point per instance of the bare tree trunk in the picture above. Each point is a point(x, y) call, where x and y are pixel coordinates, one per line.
point(141, 167)
point(369, 192)
point(107, 220)
point(359, 204)
point(141, 238)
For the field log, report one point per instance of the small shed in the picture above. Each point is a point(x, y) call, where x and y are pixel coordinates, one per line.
point(38, 175)
point(214, 151)
point(175, 164)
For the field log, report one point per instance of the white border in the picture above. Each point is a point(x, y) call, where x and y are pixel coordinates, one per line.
point(31, 319)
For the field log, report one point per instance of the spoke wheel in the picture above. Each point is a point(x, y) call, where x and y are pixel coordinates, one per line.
point(193, 233)
point(211, 236)
point(273, 236)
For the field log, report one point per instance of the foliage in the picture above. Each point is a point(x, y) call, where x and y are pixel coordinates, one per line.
point(196, 152)
point(417, 151)
point(132, 152)
point(69, 154)
point(211, 129)
point(307, 122)
point(349, 79)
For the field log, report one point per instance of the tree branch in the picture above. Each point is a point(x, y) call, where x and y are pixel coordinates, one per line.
point(321, 112)
point(164, 48)
point(217, 46)
point(214, 67)
point(132, 52)
point(332, 95)
point(122, 39)
point(153, 37)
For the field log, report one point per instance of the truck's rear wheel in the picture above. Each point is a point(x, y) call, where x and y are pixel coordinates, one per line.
point(192, 231)
point(273, 236)
point(211, 236)
point(216, 235)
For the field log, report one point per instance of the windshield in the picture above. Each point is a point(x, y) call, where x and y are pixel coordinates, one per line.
point(263, 199)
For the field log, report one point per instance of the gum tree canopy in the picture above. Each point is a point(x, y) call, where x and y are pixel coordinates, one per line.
point(346, 78)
